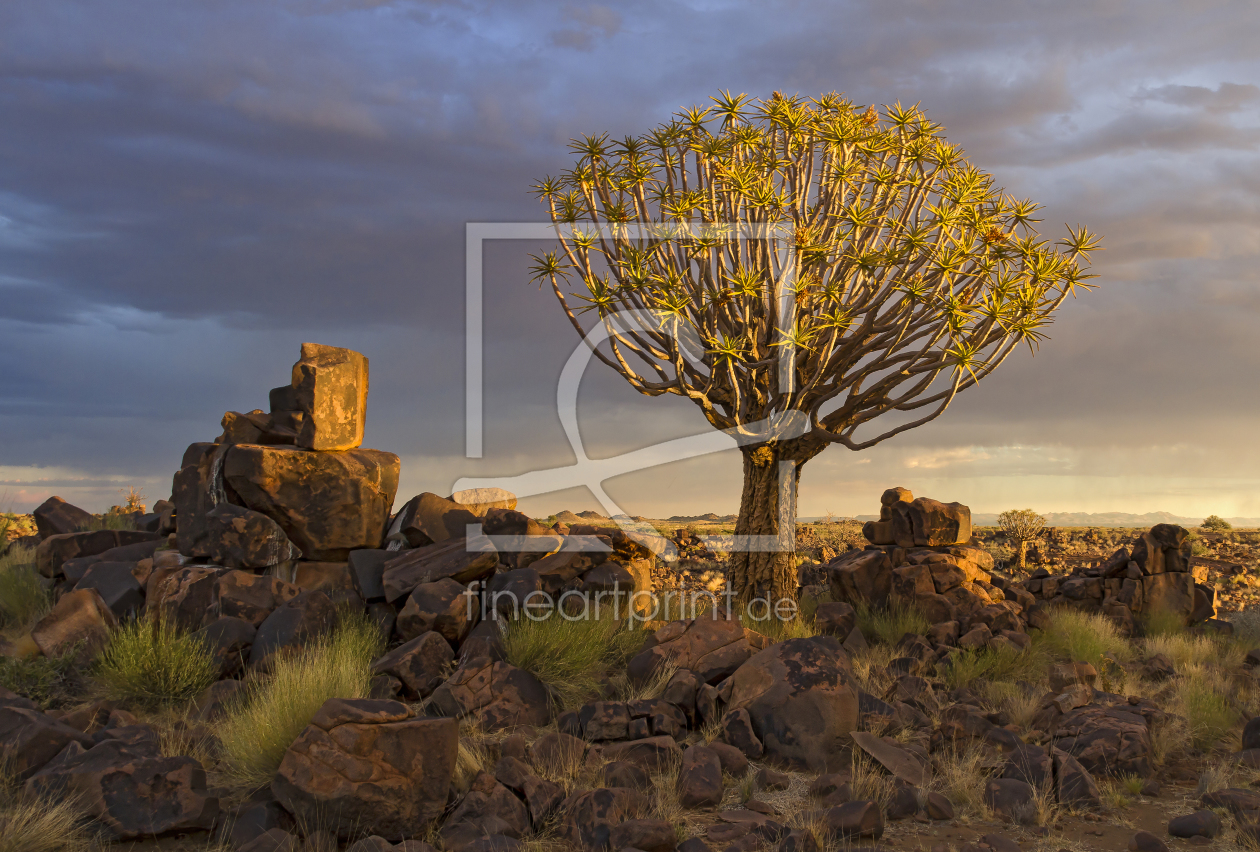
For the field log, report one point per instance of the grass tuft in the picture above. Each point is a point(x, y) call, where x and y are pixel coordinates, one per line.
point(23, 598)
point(1003, 664)
point(151, 663)
point(256, 732)
point(959, 774)
point(48, 681)
point(36, 823)
point(1204, 702)
point(887, 625)
point(569, 657)
point(1088, 637)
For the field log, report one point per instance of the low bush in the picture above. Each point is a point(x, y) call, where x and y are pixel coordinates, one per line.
point(48, 681)
point(1078, 636)
point(569, 657)
point(256, 732)
point(149, 663)
point(888, 624)
point(23, 598)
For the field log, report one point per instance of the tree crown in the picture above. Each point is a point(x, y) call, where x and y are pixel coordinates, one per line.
point(1021, 524)
point(809, 255)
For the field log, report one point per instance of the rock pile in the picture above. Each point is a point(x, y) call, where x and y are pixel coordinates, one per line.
point(921, 556)
point(1153, 575)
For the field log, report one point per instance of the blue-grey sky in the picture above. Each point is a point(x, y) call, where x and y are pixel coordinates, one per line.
point(189, 191)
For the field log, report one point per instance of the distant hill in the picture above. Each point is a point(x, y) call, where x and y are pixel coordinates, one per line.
point(1101, 519)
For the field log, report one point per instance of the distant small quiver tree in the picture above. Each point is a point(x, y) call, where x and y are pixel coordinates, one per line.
point(1215, 523)
point(1021, 526)
point(807, 271)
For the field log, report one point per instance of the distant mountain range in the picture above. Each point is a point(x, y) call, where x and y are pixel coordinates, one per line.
point(1099, 519)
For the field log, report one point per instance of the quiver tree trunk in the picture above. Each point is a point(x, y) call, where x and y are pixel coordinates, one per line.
point(767, 509)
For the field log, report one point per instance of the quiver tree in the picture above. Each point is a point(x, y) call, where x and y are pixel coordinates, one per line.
point(808, 272)
point(1021, 526)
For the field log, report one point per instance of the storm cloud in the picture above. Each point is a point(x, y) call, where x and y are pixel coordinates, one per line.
point(189, 191)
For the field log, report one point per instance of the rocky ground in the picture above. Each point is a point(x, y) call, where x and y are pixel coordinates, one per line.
point(271, 660)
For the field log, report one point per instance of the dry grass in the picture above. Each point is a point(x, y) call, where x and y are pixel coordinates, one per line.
point(959, 774)
point(38, 824)
point(256, 732)
point(1018, 703)
point(870, 780)
point(569, 657)
point(888, 625)
point(23, 598)
point(1204, 698)
point(652, 688)
point(1185, 649)
point(870, 668)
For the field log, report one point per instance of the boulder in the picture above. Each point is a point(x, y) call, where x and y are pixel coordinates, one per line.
point(293, 626)
point(605, 720)
point(1008, 798)
point(699, 783)
point(251, 597)
point(556, 753)
point(861, 576)
point(1201, 823)
point(460, 560)
point(196, 489)
point(327, 503)
point(835, 618)
point(900, 762)
point(229, 640)
point(1144, 841)
point(183, 597)
point(421, 663)
point(653, 753)
point(590, 817)
point(931, 523)
point(366, 766)
point(54, 551)
point(541, 797)
point(801, 701)
point(499, 694)
point(81, 619)
point(647, 835)
point(487, 809)
point(331, 577)
point(623, 773)
point(479, 501)
point(330, 388)
point(1113, 741)
point(712, 648)
point(116, 583)
point(429, 519)
point(56, 517)
point(367, 572)
point(1170, 592)
point(1074, 786)
point(236, 537)
point(738, 731)
point(445, 606)
point(128, 788)
point(30, 739)
point(855, 820)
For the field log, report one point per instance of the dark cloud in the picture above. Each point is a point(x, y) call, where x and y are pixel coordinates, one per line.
point(189, 191)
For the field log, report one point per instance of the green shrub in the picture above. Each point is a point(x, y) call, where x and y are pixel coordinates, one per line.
point(1215, 523)
point(150, 663)
point(256, 732)
point(1078, 636)
point(48, 681)
point(889, 624)
point(1003, 665)
point(569, 657)
point(23, 598)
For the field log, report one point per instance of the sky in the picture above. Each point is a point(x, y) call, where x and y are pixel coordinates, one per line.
point(190, 191)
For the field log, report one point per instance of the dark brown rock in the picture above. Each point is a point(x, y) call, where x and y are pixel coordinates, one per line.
point(1074, 786)
point(56, 517)
point(1008, 798)
point(237, 537)
point(556, 753)
point(427, 519)
point(1144, 841)
point(738, 731)
point(800, 699)
point(900, 762)
point(128, 788)
point(183, 597)
point(365, 766)
point(712, 648)
point(699, 783)
point(421, 663)
point(541, 797)
point(590, 817)
point(855, 820)
point(648, 835)
point(116, 583)
point(488, 808)
point(651, 753)
point(53, 552)
point(605, 720)
point(458, 560)
point(623, 773)
point(861, 576)
point(500, 695)
point(327, 503)
point(1201, 823)
point(30, 739)
point(835, 619)
point(81, 619)
point(445, 606)
point(250, 596)
point(938, 807)
point(291, 627)
point(229, 640)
